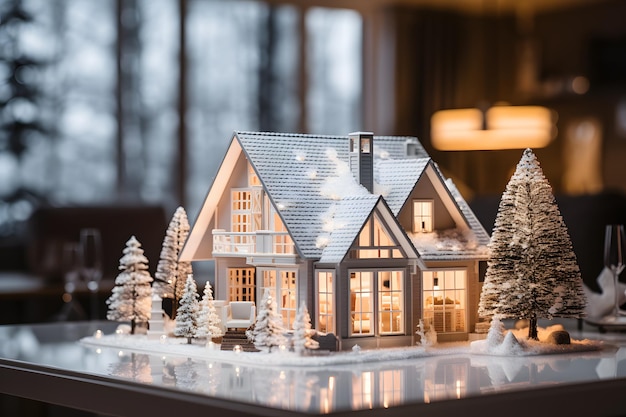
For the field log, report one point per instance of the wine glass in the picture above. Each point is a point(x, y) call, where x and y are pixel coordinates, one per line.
point(614, 255)
point(71, 267)
point(72, 264)
point(91, 244)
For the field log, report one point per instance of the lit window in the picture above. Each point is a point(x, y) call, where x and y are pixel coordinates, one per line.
point(444, 293)
point(390, 301)
point(241, 284)
point(325, 302)
point(282, 285)
point(283, 244)
point(241, 205)
point(253, 179)
point(365, 145)
point(361, 302)
point(422, 216)
point(375, 242)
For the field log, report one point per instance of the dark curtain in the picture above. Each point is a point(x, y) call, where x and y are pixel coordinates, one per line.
point(448, 60)
point(428, 54)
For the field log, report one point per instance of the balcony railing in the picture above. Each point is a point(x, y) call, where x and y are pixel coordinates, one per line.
point(252, 243)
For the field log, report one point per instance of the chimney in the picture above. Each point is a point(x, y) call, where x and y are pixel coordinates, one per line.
point(362, 158)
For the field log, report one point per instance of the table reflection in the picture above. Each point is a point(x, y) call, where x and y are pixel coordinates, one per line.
point(316, 390)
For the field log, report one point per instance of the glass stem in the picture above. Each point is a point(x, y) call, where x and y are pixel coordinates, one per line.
point(616, 310)
point(94, 305)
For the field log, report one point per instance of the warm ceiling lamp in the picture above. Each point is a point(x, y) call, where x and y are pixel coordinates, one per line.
point(498, 127)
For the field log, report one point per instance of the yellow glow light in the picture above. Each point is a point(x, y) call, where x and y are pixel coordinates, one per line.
point(503, 127)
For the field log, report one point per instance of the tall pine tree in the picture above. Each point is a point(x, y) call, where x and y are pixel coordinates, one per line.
point(131, 298)
point(532, 272)
point(187, 317)
point(171, 274)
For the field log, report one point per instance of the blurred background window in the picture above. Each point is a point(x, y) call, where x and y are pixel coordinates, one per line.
point(134, 101)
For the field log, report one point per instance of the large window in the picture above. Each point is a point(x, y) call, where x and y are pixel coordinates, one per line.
point(241, 284)
point(445, 299)
point(391, 301)
point(377, 302)
point(135, 112)
point(282, 285)
point(361, 302)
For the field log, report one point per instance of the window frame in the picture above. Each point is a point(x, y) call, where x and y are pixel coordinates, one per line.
point(236, 292)
point(414, 217)
point(329, 295)
point(376, 311)
point(277, 289)
point(444, 289)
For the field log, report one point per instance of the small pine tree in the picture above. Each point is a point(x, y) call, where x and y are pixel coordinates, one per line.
point(171, 273)
point(268, 327)
point(131, 298)
point(302, 332)
point(427, 337)
point(187, 317)
point(209, 322)
point(532, 270)
point(495, 335)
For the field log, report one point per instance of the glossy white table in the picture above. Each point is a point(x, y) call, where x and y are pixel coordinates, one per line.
point(45, 363)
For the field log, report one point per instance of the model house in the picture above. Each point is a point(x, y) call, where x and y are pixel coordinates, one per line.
point(364, 229)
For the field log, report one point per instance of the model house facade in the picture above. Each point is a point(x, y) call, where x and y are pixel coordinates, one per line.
point(363, 229)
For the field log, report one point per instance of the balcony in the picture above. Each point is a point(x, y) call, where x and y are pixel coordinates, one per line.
point(260, 246)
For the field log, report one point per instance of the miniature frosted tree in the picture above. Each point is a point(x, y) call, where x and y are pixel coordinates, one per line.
point(187, 317)
point(209, 322)
point(302, 332)
point(131, 298)
point(171, 273)
point(495, 335)
point(268, 327)
point(532, 271)
point(427, 337)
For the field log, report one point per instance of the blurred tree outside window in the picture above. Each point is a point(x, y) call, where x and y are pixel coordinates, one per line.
point(335, 58)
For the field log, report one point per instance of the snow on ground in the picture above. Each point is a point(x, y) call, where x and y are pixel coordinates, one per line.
point(179, 346)
point(514, 344)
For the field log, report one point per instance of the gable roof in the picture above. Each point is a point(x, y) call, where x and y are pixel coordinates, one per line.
point(349, 216)
point(307, 176)
point(304, 176)
point(471, 245)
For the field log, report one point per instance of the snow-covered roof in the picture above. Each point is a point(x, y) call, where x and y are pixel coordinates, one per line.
point(304, 175)
point(397, 177)
point(308, 180)
point(348, 217)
